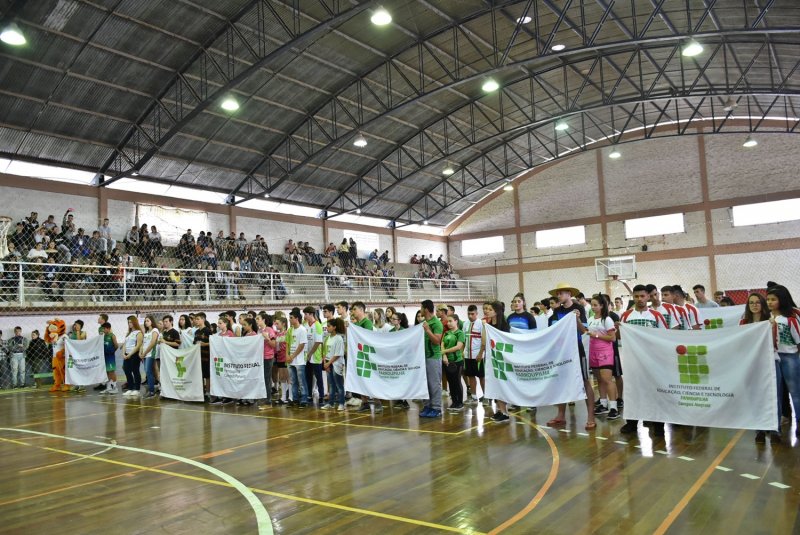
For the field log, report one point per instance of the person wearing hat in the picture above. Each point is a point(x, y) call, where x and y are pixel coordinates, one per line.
point(568, 308)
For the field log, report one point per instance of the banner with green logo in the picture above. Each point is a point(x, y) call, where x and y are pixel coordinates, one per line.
point(386, 365)
point(720, 317)
point(237, 367)
point(181, 374)
point(721, 377)
point(86, 363)
point(534, 368)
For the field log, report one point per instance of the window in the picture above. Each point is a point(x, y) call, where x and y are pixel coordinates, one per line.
point(480, 246)
point(558, 237)
point(766, 212)
point(654, 226)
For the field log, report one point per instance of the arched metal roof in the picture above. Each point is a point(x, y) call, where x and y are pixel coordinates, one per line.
point(127, 86)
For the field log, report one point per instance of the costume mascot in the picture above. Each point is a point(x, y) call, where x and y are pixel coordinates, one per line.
point(56, 334)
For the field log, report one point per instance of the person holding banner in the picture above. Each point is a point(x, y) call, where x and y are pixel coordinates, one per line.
point(690, 317)
point(296, 341)
point(130, 357)
point(668, 310)
point(201, 335)
point(110, 345)
point(433, 360)
point(264, 324)
point(757, 311)
point(474, 348)
point(602, 333)
point(493, 312)
point(453, 360)
point(150, 343)
point(641, 314)
point(361, 319)
point(568, 308)
point(334, 363)
point(786, 338)
point(279, 324)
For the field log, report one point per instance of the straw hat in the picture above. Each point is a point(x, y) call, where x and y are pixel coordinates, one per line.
point(563, 286)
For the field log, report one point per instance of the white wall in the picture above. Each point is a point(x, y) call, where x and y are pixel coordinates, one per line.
point(18, 203)
point(407, 247)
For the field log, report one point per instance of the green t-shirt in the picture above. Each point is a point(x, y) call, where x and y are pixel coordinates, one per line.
point(365, 323)
point(433, 351)
point(451, 339)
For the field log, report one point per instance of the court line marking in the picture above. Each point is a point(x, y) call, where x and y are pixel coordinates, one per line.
point(290, 497)
point(551, 478)
point(749, 476)
point(685, 458)
point(95, 454)
point(264, 417)
point(262, 517)
point(724, 469)
point(41, 422)
point(681, 505)
point(779, 485)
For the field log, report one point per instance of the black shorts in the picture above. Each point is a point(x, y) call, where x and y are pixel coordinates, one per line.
point(603, 368)
point(616, 371)
point(280, 365)
point(584, 362)
point(205, 366)
point(473, 368)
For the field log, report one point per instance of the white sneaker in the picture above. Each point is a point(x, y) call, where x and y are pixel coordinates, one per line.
point(354, 402)
point(445, 394)
point(340, 408)
point(111, 390)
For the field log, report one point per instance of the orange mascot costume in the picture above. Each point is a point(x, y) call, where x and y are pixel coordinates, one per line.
point(56, 334)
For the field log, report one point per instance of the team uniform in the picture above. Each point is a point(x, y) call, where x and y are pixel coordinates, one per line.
point(473, 333)
point(786, 337)
point(671, 314)
point(689, 316)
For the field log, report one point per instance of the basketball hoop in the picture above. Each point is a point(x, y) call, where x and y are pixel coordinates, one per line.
point(5, 225)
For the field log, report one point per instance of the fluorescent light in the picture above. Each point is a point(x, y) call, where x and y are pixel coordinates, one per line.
point(447, 171)
point(750, 142)
point(360, 141)
point(229, 104)
point(508, 187)
point(558, 48)
point(381, 17)
point(425, 222)
point(135, 173)
point(12, 35)
point(524, 20)
point(358, 211)
point(561, 126)
point(615, 154)
point(692, 48)
point(266, 195)
point(490, 85)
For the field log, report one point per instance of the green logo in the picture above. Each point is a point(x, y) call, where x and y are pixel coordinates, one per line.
point(692, 364)
point(70, 362)
point(713, 323)
point(364, 367)
point(499, 365)
point(180, 367)
point(218, 365)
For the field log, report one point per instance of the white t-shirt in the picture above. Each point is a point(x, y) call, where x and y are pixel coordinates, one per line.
point(130, 341)
point(299, 336)
point(647, 318)
point(335, 348)
point(787, 334)
point(671, 314)
point(601, 326)
point(473, 332)
point(147, 338)
point(689, 316)
point(312, 337)
point(385, 329)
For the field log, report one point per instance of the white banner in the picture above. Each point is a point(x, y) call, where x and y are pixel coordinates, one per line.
point(187, 339)
point(540, 367)
point(181, 374)
point(720, 317)
point(715, 378)
point(86, 363)
point(237, 367)
point(386, 365)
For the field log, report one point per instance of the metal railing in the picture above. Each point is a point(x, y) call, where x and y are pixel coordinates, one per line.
point(25, 286)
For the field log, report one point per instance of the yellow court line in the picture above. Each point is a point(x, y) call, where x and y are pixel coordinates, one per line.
point(42, 422)
point(345, 423)
point(681, 505)
point(255, 490)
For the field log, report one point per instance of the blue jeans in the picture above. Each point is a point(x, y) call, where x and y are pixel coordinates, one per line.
point(335, 387)
point(312, 371)
point(150, 371)
point(790, 369)
point(297, 376)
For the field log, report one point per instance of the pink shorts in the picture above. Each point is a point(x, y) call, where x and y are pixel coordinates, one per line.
point(601, 358)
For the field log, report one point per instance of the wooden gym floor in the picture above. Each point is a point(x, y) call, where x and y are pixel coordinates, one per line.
point(322, 472)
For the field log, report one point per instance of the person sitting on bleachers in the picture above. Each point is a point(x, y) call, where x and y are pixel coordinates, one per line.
point(107, 242)
point(414, 259)
point(37, 252)
point(155, 241)
point(80, 244)
point(96, 247)
point(131, 241)
point(373, 256)
point(330, 251)
point(384, 258)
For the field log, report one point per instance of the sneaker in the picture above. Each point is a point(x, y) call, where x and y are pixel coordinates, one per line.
point(326, 407)
point(340, 407)
point(217, 401)
point(629, 427)
point(620, 403)
point(456, 408)
point(612, 414)
point(378, 407)
point(472, 401)
point(775, 437)
point(445, 394)
point(434, 414)
point(149, 395)
point(110, 390)
point(425, 412)
point(354, 402)
point(761, 437)
point(485, 401)
point(302, 406)
point(227, 401)
point(499, 417)
point(597, 404)
point(364, 408)
point(599, 409)
point(101, 386)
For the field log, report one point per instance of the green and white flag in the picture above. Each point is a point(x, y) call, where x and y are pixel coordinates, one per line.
point(86, 364)
point(534, 368)
point(714, 378)
point(386, 365)
point(181, 373)
point(237, 367)
point(720, 317)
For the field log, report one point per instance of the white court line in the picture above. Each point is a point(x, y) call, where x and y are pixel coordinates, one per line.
point(779, 485)
point(584, 434)
point(95, 454)
point(662, 452)
point(749, 476)
point(724, 469)
point(621, 442)
point(262, 517)
point(563, 430)
point(684, 458)
point(601, 438)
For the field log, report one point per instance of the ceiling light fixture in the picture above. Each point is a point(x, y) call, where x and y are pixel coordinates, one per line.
point(558, 47)
point(447, 171)
point(692, 48)
point(381, 17)
point(135, 173)
point(425, 222)
point(490, 85)
point(615, 154)
point(750, 142)
point(12, 35)
point(358, 211)
point(360, 141)
point(524, 20)
point(266, 195)
point(230, 104)
point(561, 126)
point(508, 187)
